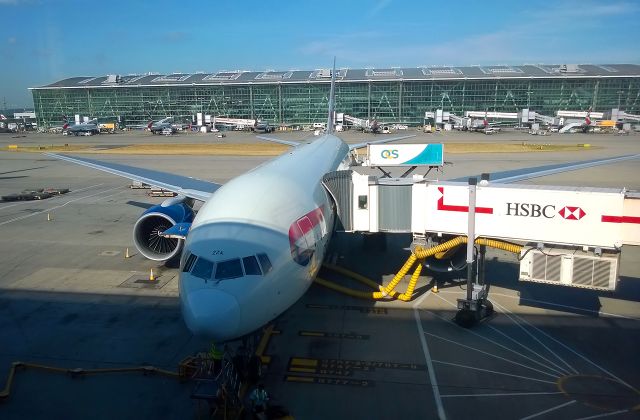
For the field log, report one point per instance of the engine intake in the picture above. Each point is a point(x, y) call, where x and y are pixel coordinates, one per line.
point(155, 220)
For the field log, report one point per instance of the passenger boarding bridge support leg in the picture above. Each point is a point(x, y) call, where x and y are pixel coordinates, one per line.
point(475, 306)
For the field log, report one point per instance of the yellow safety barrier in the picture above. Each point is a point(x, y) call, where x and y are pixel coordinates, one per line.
point(4, 394)
point(419, 255)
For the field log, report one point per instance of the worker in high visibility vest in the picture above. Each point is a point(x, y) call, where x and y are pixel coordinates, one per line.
point(216, 355)
point(259, 399)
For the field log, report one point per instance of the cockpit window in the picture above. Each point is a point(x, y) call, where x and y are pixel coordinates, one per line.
point(229, 269)
point(190, 260)
point(265, 263)
point(203, 269)
point(251, 266)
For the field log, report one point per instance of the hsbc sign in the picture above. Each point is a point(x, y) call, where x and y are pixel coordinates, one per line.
point(602, 217)
point(547, 211)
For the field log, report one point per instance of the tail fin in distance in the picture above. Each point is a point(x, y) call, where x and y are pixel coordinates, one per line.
point(332, 99)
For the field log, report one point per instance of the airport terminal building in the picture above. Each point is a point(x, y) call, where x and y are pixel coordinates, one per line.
point(393, 95)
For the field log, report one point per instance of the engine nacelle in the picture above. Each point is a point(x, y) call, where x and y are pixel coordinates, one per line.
point(155, 220)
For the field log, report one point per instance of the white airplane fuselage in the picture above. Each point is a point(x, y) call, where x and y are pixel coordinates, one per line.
point(279, 209)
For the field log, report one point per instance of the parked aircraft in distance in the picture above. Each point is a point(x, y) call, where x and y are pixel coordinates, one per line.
point(262, 126)
point(255, 246)
point(86, 128)
point(157, 127)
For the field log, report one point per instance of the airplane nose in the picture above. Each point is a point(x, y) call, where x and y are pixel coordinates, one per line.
point(211, 313)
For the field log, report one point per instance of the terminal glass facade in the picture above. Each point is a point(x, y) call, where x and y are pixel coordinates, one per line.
point(402, 101)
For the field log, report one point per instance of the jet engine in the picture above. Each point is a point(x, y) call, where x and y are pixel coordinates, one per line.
point(157, 219)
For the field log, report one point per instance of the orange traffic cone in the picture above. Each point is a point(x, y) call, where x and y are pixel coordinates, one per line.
point(151, 276)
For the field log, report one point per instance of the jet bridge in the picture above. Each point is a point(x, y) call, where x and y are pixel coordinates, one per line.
point(571, 236)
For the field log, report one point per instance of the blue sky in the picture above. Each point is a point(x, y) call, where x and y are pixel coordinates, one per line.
point(42, 41)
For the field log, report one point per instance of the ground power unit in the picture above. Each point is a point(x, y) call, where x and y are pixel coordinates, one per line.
point(570, 268)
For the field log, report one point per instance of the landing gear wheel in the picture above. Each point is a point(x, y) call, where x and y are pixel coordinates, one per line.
point(466, 318)
point(487, 309)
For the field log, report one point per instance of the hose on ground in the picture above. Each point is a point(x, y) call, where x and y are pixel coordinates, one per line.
point(419, 255)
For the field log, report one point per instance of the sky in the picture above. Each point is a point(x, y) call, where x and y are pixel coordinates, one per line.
point(43, 41)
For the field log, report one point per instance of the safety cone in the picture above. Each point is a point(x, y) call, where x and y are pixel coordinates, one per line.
point(48, 217)
point(151, 276)
point(434, 289)
point(126, 253)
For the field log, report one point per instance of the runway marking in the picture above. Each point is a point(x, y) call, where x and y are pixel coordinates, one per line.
point(303, 361)
point(106, 196)
point(559, 370)
point(450, 303)
point(493, 355)
point(329, 380)
point(56, 207)
point(362, 309)
point(568, 306)
point(549, 410)
point(345, 364)
point(52, 198)
point(493, 371)
point(576, 353)
point(556, 372)
point(502, 394)
point(427, 357)
point(325, 334)
point(507, 312)
point(598, 416)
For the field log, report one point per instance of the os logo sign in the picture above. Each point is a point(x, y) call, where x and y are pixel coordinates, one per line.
point(389, 154)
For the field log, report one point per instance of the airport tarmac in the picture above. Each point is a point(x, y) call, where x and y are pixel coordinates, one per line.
point(67, 299)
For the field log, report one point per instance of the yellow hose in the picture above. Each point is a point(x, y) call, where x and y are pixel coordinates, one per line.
point(406, 296)
point(505, 246)
point(386, 291)
point(344, 290)
point(4, 394)
point(419, 255)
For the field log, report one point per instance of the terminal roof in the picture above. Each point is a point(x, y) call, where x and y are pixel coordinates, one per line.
point(241, 77)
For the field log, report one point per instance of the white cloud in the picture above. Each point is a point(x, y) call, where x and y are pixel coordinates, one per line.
point(565, 32)
point(378, 7)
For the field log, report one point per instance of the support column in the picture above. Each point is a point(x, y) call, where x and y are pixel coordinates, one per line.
point(369, 102)
point(252, 112)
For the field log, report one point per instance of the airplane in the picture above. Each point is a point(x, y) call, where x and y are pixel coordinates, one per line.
point(158, 126)
point(262, 126)
point(85, 128)
point(257, 243)
point(587, 122)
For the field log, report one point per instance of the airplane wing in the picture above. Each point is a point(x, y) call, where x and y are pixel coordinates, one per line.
point(385, 140)
point(516, 175)
point(275, 140)
point(187, 186)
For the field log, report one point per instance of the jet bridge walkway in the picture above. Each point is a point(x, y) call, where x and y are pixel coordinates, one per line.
point(571, 236)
